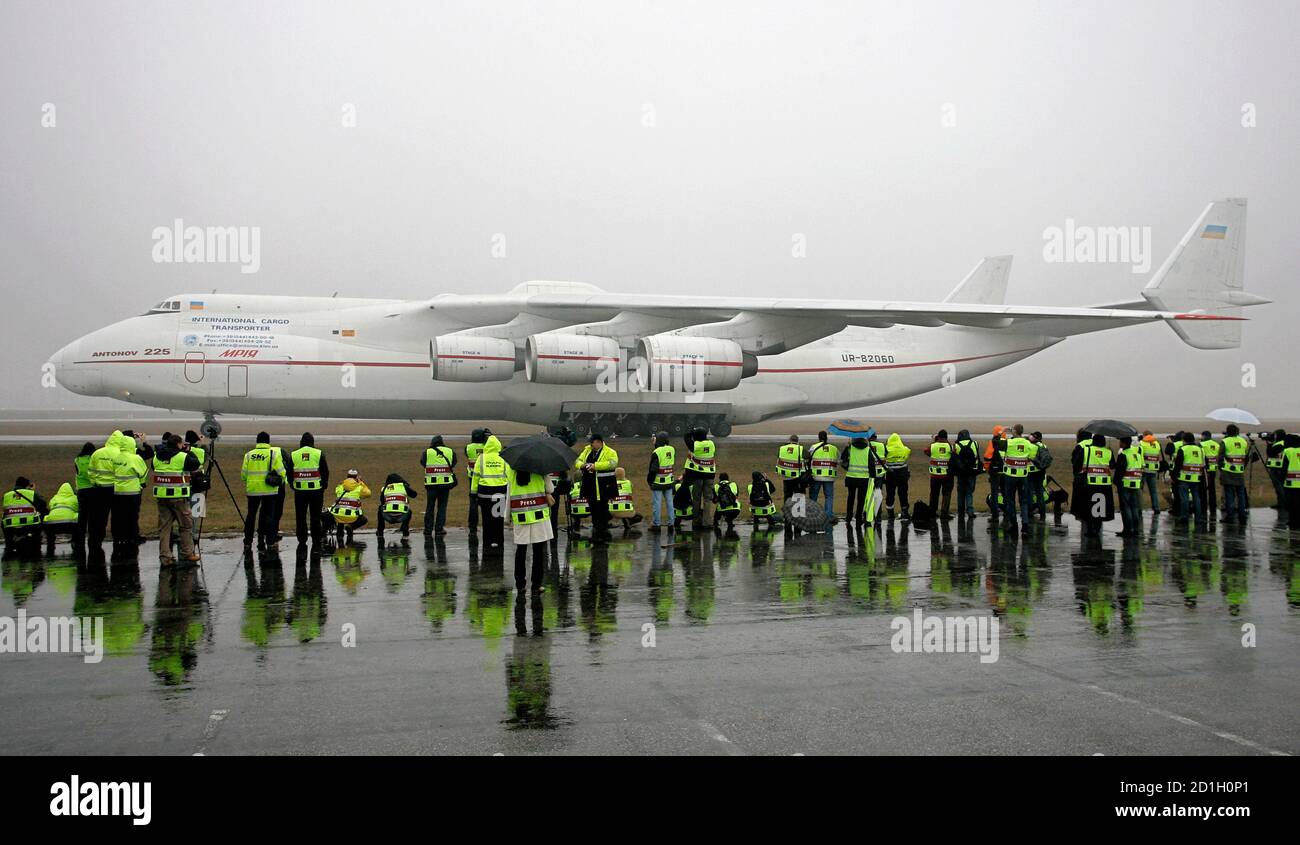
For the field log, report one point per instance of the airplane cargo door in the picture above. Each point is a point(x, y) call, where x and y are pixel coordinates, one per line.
point(194, 362)
point(237, 380)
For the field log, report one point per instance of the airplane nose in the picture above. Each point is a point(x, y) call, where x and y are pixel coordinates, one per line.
point(69, 374)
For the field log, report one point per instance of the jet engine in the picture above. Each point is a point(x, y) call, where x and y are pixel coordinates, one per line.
point(570, 358)
point(672, 363)
point(471, 358)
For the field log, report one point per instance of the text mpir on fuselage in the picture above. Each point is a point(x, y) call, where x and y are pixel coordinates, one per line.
point(565, 352)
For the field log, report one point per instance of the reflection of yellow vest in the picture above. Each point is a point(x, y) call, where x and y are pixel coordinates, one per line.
point(940, 454)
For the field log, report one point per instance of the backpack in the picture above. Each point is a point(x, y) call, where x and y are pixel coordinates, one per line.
point(726, 498)
point(1043, 459)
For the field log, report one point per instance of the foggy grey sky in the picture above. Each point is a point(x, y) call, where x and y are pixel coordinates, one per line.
point(527, 119)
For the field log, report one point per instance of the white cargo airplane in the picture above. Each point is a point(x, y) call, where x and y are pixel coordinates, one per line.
point(565, 353)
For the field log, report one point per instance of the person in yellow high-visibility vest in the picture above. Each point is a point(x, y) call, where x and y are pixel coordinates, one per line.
point(439, 462)
point(1189, 470)
point(1211, 449)
point(263, 474)
point(791, 465)
point(1291, 478)
point(1236, 456)
point(823, 467)
point(1129, 464)
point(596, 464)
point(940, 470)
point(309, 476)
point(24, 510)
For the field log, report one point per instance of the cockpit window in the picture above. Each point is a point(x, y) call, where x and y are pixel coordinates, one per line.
point(167, 306)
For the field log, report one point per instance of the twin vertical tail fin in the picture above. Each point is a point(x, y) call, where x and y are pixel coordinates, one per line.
point(985, 285)
point(1202, 279)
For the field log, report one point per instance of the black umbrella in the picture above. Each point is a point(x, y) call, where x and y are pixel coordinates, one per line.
point(540, 453)
point(1111, 428)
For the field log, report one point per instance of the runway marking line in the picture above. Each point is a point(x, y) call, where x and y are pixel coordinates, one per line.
point(1184, 720)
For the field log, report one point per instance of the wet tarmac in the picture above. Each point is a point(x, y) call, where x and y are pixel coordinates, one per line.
point(762, 644)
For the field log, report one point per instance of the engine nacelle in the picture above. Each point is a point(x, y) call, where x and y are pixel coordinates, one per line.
point(468, 358)
point(672, 363)
point(570, 358)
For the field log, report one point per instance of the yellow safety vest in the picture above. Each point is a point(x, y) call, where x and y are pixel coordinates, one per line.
point(1235, 449)
point(1015, 464)
point(258, 461)
point(1134, 468)
point(306, 468)
point(734, 496)
point(170, 480)
point(20, 509)
point(622, 501)
point(1096, 465)
point(761, 510)
point(1291, 460)
point(528, 501)
point(489, 472)
point(437, 466)
point(700, 458)
point(940, 455)
point(859, 462)
point(879, 449)
point(824, 458)
point(1150, 456)
point(1211, 450)
point(789, 460)
point(665, 456)
point(393, 499)
point(1193, 463)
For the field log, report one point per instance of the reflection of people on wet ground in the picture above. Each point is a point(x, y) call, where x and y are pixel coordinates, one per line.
point(180, 624)
point(528, 670)
point(307, 606)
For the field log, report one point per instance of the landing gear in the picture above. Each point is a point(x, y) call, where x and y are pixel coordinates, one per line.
point(644, 425)
point(210, 428)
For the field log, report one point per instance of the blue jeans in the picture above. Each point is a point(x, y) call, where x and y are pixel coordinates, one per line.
point(1015, 488)
point(1130, 508)
point(1189, 497)
point(828, 485)
point(1234, 502)
point(1150, 480)
point(658, 496)
point(965, 494)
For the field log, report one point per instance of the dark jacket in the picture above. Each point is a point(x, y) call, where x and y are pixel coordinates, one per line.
point(166, 453)
point(394, 478)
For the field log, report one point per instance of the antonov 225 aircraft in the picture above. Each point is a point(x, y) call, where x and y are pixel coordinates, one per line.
point(565, 353)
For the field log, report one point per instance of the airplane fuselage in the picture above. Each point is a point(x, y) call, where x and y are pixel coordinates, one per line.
point(351, 358)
